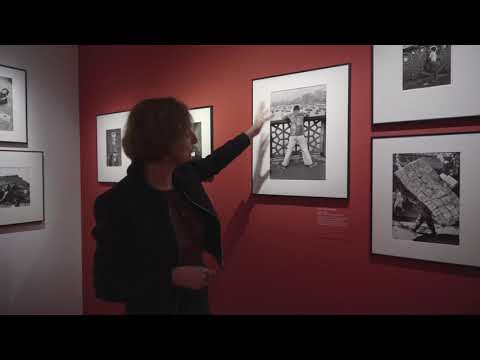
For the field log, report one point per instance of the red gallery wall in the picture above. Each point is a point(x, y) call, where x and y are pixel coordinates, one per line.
point(278, 258)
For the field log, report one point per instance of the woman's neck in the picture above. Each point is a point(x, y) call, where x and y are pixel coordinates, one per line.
point(159, 174)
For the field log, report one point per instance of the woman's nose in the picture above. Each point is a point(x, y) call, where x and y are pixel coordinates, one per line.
point(194, 138)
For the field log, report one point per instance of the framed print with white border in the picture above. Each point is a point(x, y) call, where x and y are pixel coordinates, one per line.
point(425, 197)
point(112, 162)
point(21, 187)
point(13, 105)
point(424, 82)
point(304, 149)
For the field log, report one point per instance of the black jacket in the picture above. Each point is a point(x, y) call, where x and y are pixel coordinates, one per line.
point(136, 246)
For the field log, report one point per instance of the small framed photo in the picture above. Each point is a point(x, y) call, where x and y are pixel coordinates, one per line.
point(424, 82)
point(305, 149)
point(425, 197)
point(112, 163)
point(21, 187)
point(13, 104)
point(203, 128)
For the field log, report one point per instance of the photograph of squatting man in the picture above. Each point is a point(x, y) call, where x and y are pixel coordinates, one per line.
point(154, 228)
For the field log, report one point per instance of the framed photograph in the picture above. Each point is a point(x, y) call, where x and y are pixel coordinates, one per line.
point(112, 163)
point(203, 128)
point(424, 82)
point(305, 149)
point(21, 187)
point(426, 198)
point(13, 104)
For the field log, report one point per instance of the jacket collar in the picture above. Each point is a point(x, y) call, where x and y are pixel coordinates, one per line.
point(136, 176)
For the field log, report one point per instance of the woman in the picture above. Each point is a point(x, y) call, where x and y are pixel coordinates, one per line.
point(152, 227)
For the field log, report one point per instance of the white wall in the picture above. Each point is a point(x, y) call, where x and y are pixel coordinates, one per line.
point(41, 265)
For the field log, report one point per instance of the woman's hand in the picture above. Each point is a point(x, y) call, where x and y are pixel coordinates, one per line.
point(192, 277)
point(263, 115)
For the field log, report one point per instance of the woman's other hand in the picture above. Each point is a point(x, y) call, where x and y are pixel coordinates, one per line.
point(192, 277)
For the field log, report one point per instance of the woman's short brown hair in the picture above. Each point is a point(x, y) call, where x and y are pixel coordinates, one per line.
point(153, 126)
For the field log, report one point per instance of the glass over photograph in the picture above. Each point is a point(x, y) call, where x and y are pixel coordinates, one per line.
point(14, 187)
point(114, 147)
point(426, 66)
point(6, 106)
point(426, 190)
point(297, 133)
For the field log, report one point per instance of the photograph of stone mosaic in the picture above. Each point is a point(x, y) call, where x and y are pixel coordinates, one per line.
point(425, 197)
point(297, 133)
point(426, 66)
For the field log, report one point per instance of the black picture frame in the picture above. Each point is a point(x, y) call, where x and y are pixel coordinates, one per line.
point(349, 94)
point(375, 255)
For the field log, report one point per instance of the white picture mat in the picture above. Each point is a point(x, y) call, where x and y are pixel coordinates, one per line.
point(468, 251)
point(104, 123)
point(34, 212)
point(204, 117)
point(458, 99)
point(337, 126)
point(19, 98)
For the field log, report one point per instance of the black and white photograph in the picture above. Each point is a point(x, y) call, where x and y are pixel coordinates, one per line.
point(197, 147)
point(298, 133)
point(425, 197)
point(21, 187)
point(426, 66)
point(14, 187)
point(6, 104)
point(304, 149)
point(114, 147)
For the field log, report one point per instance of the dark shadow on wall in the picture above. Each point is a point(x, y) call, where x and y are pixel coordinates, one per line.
point(259, 178)
point(13, 145)
point(425, 266)
point(302, 201)
point(428, 124)
point(9, 229)
point(235, 229)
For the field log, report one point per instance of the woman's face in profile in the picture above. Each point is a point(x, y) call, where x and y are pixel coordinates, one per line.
point(182, 150)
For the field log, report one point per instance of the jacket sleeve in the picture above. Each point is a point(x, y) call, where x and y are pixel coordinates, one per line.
point(215, 162)
point(120, 273)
